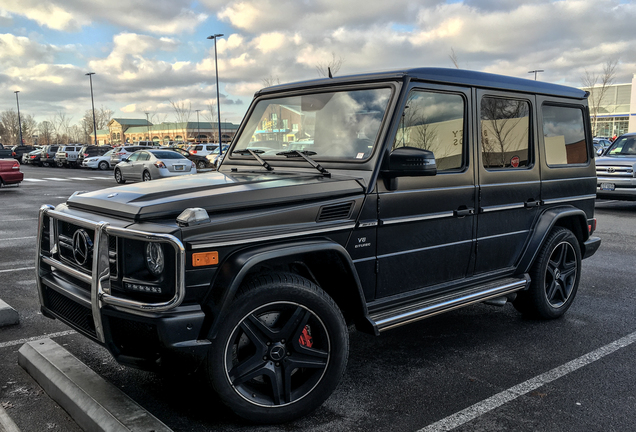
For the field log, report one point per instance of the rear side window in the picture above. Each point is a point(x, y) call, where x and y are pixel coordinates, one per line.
point(505, 137)
point(564, 135)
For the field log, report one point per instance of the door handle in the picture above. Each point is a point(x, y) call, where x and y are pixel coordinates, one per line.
point(532, 203)
point(464, 212)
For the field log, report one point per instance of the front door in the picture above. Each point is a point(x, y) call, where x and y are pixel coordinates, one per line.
point(425, 232)
point(509, 179)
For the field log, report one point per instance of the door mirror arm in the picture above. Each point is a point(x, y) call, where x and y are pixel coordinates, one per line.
point(408, 162)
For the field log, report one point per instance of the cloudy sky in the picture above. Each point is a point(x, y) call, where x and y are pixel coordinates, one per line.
point(146, 53)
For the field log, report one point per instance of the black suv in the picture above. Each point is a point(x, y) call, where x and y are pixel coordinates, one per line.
point(48, 155)
point(375, 200)
point(91, 151)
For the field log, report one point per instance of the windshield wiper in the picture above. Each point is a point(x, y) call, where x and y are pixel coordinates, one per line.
point(255, 153)
point(305, 155)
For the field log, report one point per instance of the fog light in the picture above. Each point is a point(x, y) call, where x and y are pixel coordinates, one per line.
point(154, 258)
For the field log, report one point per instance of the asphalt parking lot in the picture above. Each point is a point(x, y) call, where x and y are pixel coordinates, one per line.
point(481, 368)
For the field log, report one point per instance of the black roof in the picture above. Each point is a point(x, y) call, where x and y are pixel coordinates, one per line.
point(444, 76)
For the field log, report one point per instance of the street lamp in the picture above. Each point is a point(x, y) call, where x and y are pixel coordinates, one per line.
point(218, 103)
point(148, 126)
point(198, 127)
point(19, 121)
point(90, 77)
point(535, 73)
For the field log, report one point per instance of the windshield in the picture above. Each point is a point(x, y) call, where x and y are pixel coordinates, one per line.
point(335, 125)
point(623, 146)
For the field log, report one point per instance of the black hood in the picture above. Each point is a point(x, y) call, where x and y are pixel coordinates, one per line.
point(214, 192)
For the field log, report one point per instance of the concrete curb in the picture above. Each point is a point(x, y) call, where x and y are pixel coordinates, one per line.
point(6, 424)
point(94, 404)
point(8, 315)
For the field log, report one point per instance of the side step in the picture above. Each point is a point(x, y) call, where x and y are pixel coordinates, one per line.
point(405, 314)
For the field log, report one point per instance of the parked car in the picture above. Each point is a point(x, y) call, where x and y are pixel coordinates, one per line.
point(91, 151)
point(5, 152)
point(254, 273)
point(615, 170)
point(202, 149)
point(213, 158)
point(10, 172)
point(146, 165)
point(124, 151)
point(32, 158)
point(47, 157)
point(200, 161)
point(20, 150)
point(66, 156)
point(98, 162)
point(601, 145)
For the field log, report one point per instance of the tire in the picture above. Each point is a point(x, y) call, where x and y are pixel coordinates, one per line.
point(119, 178)
point(146, 176)
point(201, 165)
point(555, 277)
point(278, 323)
point(103, 165)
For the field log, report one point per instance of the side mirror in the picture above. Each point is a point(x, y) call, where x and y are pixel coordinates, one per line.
point(409, 162)
point(124, 159)
point(599, 151)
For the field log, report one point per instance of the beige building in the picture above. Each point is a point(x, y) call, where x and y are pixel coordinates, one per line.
point(616, 111)
point(128, 131)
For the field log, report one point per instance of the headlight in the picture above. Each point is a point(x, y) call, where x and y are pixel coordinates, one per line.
point(154, 258)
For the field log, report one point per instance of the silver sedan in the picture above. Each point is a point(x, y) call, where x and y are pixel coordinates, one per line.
point(146, 165)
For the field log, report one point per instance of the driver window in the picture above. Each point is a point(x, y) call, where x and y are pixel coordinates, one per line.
point(434, 121)
point(144, 156)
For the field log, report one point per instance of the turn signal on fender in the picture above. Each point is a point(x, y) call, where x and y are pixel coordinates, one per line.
point(205, 259)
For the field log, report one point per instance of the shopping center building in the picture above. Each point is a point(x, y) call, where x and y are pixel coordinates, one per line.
point(616, 111)
point(128, 131)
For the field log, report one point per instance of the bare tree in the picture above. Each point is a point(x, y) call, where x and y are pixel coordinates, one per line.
point(182, 112)
point(454, 59)
point(46, 131)
point(102, 117)
point(332, 65)
point(270, 81)
point(61, 124)
point(211, 115)
point(598, 85)
point(10, 128)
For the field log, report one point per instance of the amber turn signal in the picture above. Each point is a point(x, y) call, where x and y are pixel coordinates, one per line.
point(205, 259)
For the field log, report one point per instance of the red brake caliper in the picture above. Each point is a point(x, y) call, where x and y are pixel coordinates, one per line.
point(305, 337)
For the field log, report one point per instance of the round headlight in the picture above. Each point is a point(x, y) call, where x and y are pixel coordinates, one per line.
point(154, 258)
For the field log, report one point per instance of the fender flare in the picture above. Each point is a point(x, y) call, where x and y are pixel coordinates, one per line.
point(233, 271)
point(546, 221)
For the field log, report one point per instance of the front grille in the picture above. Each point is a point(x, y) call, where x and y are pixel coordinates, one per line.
point(76, 314)
point(112, 256)
point(335, 212)
point(615, 171)
point(65, 234)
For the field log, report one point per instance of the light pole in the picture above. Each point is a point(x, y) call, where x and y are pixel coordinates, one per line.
point(90, 77)
point(198, 127)
point(148, 126)
point(535, 73)
point(19, 121)
point(218, 103)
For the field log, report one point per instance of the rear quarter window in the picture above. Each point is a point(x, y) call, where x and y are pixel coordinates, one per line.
point(564, 135)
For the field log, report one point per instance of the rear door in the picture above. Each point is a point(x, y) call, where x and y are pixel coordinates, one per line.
point(426, 228)
point(509, 178)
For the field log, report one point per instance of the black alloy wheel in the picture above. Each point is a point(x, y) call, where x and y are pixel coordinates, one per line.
point(555, 277)
point(280, 351)
point(119, 178)
point(201, 164)
point(146, 176)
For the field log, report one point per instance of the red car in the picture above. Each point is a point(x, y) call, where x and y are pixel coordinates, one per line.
point(10, 172)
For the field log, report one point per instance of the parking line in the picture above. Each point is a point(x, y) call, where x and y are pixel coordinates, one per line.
point(21, 268)
point(83, 178)
point(32, 180)
point(56, 179)
point(34, 338)
point(472, 412)
point(18, 238)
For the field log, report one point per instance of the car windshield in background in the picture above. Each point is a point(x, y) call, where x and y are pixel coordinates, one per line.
point(623, 146)
point(335, 125)
point(167, 154)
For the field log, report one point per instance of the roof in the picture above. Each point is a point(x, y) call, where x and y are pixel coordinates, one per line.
point(179, 127)
point(130, 122)
point(444, 76)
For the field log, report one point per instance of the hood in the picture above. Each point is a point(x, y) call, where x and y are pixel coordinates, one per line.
point(616, 160)
point(215, 192)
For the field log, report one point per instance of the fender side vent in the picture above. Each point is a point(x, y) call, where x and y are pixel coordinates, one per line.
point(334, 212)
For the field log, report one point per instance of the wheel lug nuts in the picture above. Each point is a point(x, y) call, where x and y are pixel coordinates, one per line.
point(264, 357)
point(268, 343)
point(277, 364)
point(282, 341)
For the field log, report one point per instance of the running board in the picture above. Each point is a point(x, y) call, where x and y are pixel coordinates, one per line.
point(405, 314)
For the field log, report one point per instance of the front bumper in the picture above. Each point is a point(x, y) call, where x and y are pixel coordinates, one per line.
point(618, 188)
point(137, 333)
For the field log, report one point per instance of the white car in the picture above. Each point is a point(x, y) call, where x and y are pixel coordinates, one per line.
point(98, 162)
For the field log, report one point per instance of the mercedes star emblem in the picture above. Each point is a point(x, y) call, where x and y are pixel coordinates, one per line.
point(82, 246)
